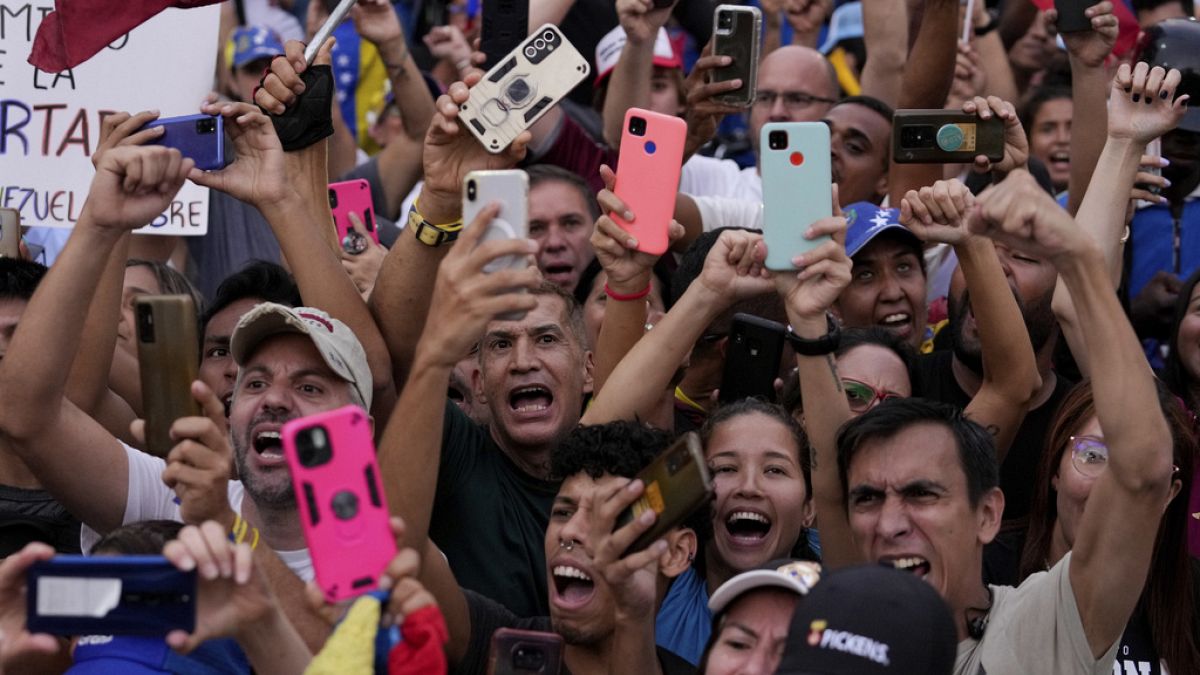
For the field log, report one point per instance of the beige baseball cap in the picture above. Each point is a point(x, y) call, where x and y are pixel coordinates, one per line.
point(337, 344)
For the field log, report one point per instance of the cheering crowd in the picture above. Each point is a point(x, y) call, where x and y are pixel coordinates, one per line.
point(979, 451)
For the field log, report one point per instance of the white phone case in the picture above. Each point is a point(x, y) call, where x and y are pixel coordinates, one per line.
point(522, 88)
point(511, 190)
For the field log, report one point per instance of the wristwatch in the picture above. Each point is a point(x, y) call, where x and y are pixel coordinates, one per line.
point(826, 344)
point(991, 25)
point(430, 234)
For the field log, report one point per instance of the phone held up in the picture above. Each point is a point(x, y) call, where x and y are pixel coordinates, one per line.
point(648, 172)
point(352, 196)
point(945, 137)
point(200, 137)
point(168, 358)
point(752, 358)
point(797, 188)
point(737, 34)
point(676, 483)
point(525, 652)
point(340, 497)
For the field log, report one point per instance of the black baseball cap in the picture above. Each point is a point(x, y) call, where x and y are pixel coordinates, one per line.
point(869, 620)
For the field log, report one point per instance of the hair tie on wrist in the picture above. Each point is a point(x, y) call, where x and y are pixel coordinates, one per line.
point(627, 297)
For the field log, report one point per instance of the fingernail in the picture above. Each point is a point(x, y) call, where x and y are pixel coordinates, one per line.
point(1136, 97)
point(628, 215)
point(1163, 161)
point(1149, 100)
point(1163, 94)
point(647, 517)
point(631, 242)
point(187, 564)
point(210, 572)
point(634, 485)
point(1166, 182)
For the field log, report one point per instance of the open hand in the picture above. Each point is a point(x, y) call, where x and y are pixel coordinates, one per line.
point(1142, 105)
point(258, 175)
point(1091, 47)
point(704, 113)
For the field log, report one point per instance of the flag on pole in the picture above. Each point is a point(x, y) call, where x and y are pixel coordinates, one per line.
point(77, 29)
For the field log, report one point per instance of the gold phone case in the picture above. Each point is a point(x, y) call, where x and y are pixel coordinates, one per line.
point(168, 358)
point(677, 483)
point(522, 88)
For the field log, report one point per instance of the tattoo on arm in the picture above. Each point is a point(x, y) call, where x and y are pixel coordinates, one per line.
point(837, 379)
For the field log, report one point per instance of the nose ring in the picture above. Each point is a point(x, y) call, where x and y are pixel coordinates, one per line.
point(567, 545)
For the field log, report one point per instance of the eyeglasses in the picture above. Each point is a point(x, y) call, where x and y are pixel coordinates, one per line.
point(1089, 455)
point(862, 396)
point(792, 100)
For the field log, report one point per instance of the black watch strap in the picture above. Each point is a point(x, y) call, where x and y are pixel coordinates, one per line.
point(826, 344)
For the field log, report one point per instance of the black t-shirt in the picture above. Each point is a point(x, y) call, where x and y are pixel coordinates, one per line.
point(488, 615)
point(34, 515)
point(490, 518)
point(935, 381)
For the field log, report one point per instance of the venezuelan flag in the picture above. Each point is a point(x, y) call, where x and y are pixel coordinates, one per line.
point(362, 82)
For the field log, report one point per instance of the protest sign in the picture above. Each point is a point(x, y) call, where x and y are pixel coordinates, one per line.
point(50, 122)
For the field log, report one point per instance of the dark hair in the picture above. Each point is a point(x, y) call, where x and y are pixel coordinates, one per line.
point(146, 537)
point(572, 311)
point(691, 264)
point(618, 448)
point(879, 107)
point(170, 281)
point(19, 278)
point(544, 173)
point(853, 338)
point(752, 406)
point(1167, 598)
point(600, 94)
point(976, 448)
point(1033, 102)
point(259, 279)
point(583, 288)
point(1175, 373)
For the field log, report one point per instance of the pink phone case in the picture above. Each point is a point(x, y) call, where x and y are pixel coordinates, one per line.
point(648, 175)
point(339, 494)
point(348, 196)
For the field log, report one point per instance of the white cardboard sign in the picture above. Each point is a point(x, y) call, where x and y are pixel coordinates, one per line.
point(50, 122)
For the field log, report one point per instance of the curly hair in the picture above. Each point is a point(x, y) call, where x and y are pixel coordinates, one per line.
point(618, 448)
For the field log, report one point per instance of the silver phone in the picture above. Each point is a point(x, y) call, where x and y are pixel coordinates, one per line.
point(523, 87)
point(510, 189)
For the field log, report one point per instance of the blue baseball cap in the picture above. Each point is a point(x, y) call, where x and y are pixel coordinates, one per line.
point(865, 221)
point(251, 43)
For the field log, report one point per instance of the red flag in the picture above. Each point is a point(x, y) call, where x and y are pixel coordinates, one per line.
point(77, 29)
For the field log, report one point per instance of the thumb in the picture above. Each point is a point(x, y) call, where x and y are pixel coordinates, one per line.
point(324, 55)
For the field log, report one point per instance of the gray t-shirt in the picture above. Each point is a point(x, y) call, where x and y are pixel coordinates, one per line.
point(237, 234)
point(1034, 628)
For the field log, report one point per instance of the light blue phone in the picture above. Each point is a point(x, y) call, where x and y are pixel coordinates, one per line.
point(796, 176)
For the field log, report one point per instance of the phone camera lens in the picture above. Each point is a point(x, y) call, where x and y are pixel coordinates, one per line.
point(528, 658)
point(333, 200)
point(206, 125)
point(725, 21)
point(530, 52)
point(777, 140)
point(548, 36)
point(471, 190)
point(918, 136)
point(637, 126)
point(539, 44)
point(312, 446)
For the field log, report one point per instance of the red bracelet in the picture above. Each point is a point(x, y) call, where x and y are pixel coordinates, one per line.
point(625, 298)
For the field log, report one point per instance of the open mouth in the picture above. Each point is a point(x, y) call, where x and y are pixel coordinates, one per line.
point(896, 320)
point(227, 403)
point(748, 526)
point(559, 271)
point(455, 394)
point(913, 564)
point(268, 443)
point(572, 584)
point(530, 399)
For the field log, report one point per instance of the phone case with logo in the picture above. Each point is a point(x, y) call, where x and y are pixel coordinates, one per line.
point(648, 176)
point(516, 93)
point(797, 181)
point(340, 498)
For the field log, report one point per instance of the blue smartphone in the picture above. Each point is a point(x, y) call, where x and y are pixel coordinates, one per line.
point(201, 137)
point(797, 188)
point(110, 595)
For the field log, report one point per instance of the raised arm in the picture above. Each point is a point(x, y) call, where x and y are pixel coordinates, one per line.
point(1131, 124)
point(1115, 539)
point(1010, 377)
point(78, 462)
point(732, 270)
point(808, 294)
point(885, 32)
point(629, 82)
point(548, 11)
point(806, 18)
point(403, 288)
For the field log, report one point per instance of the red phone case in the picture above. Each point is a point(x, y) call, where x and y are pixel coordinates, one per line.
point(648, 177)
point(341, 502)
point(352, 196)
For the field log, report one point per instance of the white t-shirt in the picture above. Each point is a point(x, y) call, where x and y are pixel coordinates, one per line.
point(150, 499)
point(718, 212)
point(710, 177)
point(1034, 628)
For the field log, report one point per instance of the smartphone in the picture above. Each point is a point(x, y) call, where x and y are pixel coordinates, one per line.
point(340, 497)
point(677, 483)
point(511, 190)
point(168, 358)
point(752, 358)
point(737, 32)
point(352, 196)
point(945, 137)
point(201, 137)
point(529, 80)
point(1153, 149)
point(797, 192)
point(109, 595)
point(525, 652)
point(1071, 18)
point(10, 233)
point(505, 25)
point(648, 175)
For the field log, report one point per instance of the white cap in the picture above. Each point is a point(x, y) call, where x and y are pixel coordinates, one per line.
point(337, 344)
point(608, 51)
point(797, 576)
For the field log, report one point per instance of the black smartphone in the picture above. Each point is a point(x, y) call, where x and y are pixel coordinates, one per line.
point(1071, 18)
point(110, 595)
point(945, 137)
point(677, 483)
point(505, 26)
point(752, 358)
point(737, 32)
